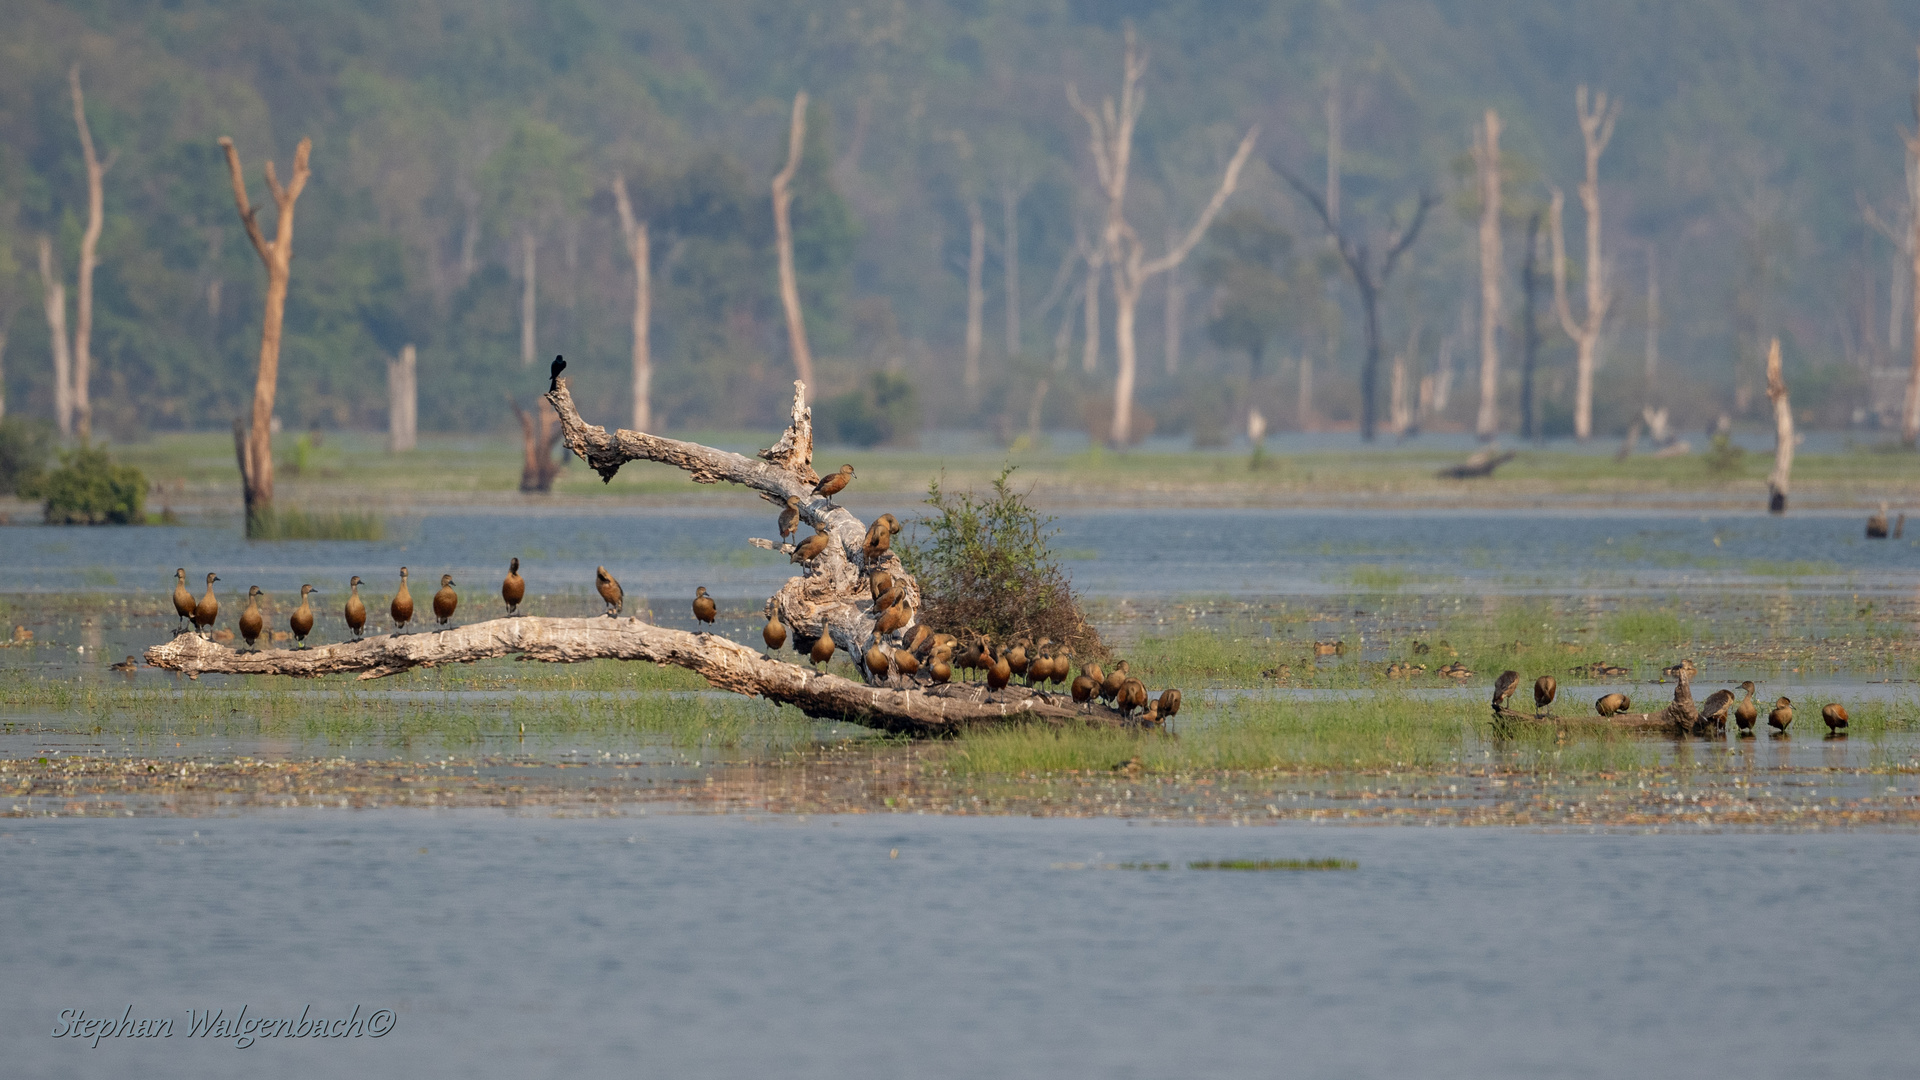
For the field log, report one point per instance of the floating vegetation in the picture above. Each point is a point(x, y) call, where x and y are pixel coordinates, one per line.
point(1274, 864)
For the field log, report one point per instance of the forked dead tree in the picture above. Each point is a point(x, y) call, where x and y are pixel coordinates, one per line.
point(73, 356)
point(783, 242)
point(1112, 146)
point(832, 597)
point(1782, 432)
point(253, 443)
point(1486, 163)
point(1596, 129)
point(538, 437)
point(640, 249)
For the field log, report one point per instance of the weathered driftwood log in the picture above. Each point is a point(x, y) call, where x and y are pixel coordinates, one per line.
point(1672, 720)
point(897, 705)
point(832, 597)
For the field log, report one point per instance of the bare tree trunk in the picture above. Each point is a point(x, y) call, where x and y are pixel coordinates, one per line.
point(1399, 417)
point(1782, 432)
point(1596, 129)
point(89, 248)
point(1303, 406)
point(640, 248)
point(256, 462)
point(54, 293)
point(1910, 422)
point(1653, 314)
point(3, 372)
point(1063, 336)
point(1334, 149)
point(538, 436)
point(1010, 261)
point(1112, 146)
point(1529, 327)
point(976, 291)
point(403, 402)
point(529, 296)
point(1090, 347)
point(1175, 314)
point(1486, 159)
point(783, 240)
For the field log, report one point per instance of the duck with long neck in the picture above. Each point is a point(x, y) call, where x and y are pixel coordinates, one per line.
point(208, 609)
point(402, 607)
point(356, 610)
point(182, 597)
point(301, 622)
point(251, 621)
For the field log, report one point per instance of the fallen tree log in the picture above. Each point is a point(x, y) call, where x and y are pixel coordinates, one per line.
point(899, 705)
point(1669, 721)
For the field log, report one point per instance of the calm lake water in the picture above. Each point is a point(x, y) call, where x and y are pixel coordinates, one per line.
point(797, 947)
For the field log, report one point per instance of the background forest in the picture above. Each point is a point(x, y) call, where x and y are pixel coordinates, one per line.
point(458, 142)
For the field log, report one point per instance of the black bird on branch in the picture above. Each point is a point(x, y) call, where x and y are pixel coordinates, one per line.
point(1370, 271)
point(553, 377)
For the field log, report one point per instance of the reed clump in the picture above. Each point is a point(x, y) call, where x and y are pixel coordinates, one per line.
point(293, 523)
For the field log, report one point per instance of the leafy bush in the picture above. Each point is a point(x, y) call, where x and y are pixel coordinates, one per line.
point(882, 410)
point(1723, 458)
point(24, 448)
point(985, 567)
point(89, 489)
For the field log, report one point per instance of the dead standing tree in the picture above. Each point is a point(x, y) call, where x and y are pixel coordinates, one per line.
point(538, 437)
point(1112, 145)
point(1596, 129)
point(1782, 432)
point(832, 598)
point(253, 444)
point(640, 249)
point(1910, 415)
point(73, 357)
point(1486, 162)
point(1370, 272)
point(783, 242)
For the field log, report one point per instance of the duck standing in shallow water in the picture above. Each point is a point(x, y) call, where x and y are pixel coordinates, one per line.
point(1835, 716)
point(356, 609)
point(513, 588)
point(1781, 718)
point(1748, 711)
point(1503, 688)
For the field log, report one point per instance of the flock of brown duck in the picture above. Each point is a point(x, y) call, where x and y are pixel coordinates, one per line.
point(1707, 717)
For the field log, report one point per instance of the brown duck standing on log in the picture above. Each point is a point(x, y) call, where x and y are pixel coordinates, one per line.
point(1835, 716)
point(889, 598)
point(1544, 688)
point(609, 590)
point(775, 635)
point(834, 483)
point(893, 619)
point(207, 608)
point(1060, 665)
point(1017, 660)
point(790, 518)
point(513, 588)
point(251, 621)
point(1748, 711)
point(1169, 704)
point(999, 673)
point(1610, 704)
point(822, 650)
point(876, 661)
point(1133, 695)
point(1110, 686)
point(182, 598)
point(445, 602)
point(401, 610)
point(1503, 688)
point(1781, 718)
point(1083, 687)
point(356, 609)
point(704, 609)
point(811, 547)
point(906, 663)
point(1714, 709)
point(879, 539)
point(301, 621)
point(941, 669)
point(879, 583)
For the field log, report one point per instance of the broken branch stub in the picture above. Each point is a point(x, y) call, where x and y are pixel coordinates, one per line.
point(900, 706)
point(832, 597)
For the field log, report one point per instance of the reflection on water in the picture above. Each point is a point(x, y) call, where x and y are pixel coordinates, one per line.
point(928, 947)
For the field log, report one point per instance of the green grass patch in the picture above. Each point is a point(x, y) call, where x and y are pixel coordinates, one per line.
point(293, 523)
point(1274, 864)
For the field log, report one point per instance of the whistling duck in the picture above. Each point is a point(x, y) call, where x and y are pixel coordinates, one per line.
point(889, 598)
point(251, 621)
point(834, 483)
point(1503, 688)
point(1133, 695)
point(1169, 703)
point(1083, 687)
point(1060, 665)
point(1745, 713)
point(790, 518)
point(610, 590)
point(1714, 709)
point(1110, 686)
point(1017, 660)
point(445, 601)
point(301, 621)
point(876, 660)
point(941, 669)
point(879, 539)
point(822, 650)
point(1781, 718)
point(513, 588)
point(401, 610)
point(1544, 688)
point(129, 666)
point(920, 640)
point(999, 673)
point(207, 608)
point(906, 663)
point(1683, 671)
point(893, 618)
point(704, 608)
point(879, 583)
point(182, 599)
point(811, 547)
point(1877, 524)
point(775, 635)
point(356, 610)
point(1609, 704)
point(1836, 717)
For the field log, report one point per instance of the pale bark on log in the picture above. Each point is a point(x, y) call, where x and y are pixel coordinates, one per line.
point(54, 293)
point(1596, 130)
point(256, 460)
point(1782, 432)
point(899, 705)
point(1486, 160)
point(1672, 720)
point(783, 242)
point(89, 259)
point(640, 249)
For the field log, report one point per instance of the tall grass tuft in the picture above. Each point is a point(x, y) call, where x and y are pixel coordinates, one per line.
point(269, 523)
